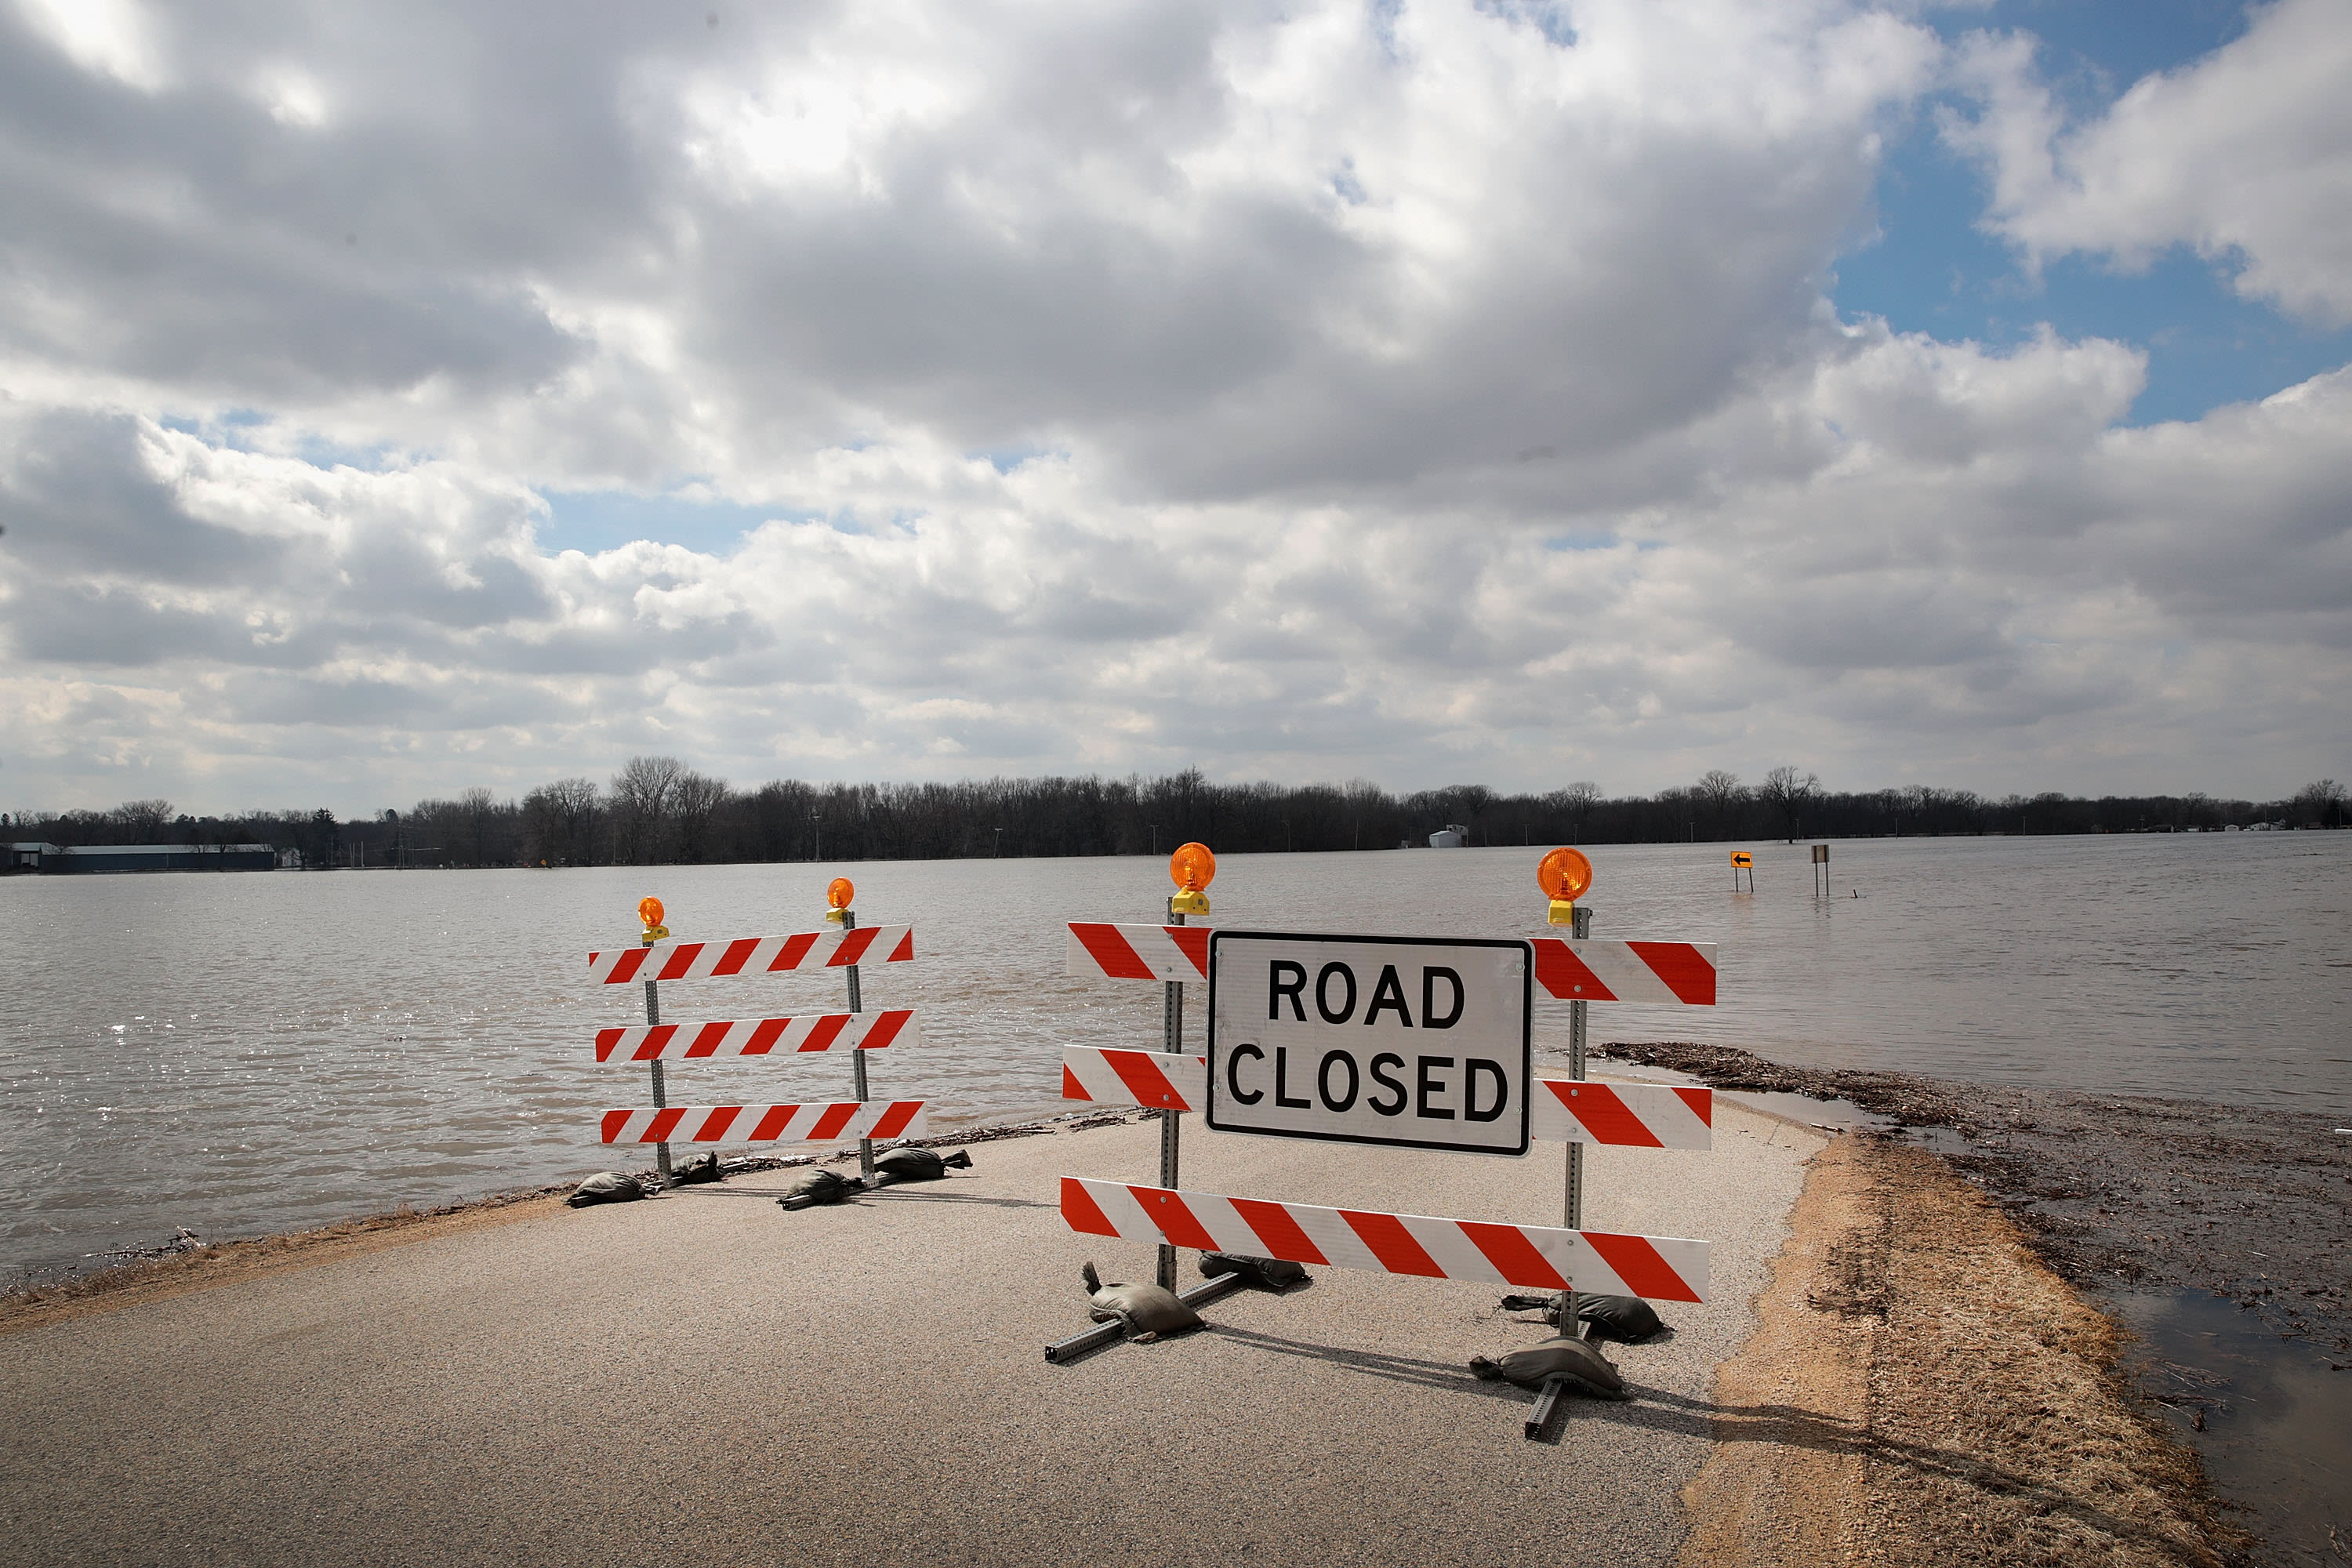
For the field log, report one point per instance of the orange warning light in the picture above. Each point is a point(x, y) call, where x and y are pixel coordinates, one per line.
point(839, 892)
point(1564, 874)
point(1191, 869)
point(649, 914)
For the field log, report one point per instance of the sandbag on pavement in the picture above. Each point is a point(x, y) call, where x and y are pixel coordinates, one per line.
point(1574, 1362)
point(1265, 1273)
point(820, 1187)
point(1626, 1318)
point(1146, 1312)
point(703, 1167)
point(908, 1164)
point(605, 1187)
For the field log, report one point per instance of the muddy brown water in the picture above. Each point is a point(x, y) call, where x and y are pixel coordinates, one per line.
point(2270, 1417)
point(239, 1054)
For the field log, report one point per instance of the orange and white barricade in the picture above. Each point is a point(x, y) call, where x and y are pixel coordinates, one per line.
point(656, 961)
point(1564, 1110)
point(1532, 1257)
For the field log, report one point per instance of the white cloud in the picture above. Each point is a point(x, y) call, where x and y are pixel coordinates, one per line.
point(2245, 156)
point(1428, 393)
point(108, 37)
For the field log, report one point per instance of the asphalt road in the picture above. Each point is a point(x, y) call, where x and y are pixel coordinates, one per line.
point(706, 1379)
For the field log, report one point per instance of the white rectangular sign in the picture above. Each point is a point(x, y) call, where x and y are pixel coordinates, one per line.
point(1372, 1040)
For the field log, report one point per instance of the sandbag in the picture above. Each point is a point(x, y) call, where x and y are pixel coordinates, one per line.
point(1626, 1318)
point(605, 1187)
point(1265, 1273)
point(908, 1164)
point(819, 1187)
point(702, 1167)
point(1574, 1362)
point(1148, 1310)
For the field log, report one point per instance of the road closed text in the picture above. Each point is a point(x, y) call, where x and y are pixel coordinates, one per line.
point(1368, 1039)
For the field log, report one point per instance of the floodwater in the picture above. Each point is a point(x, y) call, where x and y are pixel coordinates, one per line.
point(242, 1054)
point(2266, 1416)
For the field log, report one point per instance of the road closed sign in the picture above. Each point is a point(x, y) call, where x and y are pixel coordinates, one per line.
point(1366, 1039)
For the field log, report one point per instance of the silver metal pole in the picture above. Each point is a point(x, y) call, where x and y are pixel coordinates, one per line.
point(1573, 1208)
point(857, 1059)
point(1171, 1040)
point(653, 1015)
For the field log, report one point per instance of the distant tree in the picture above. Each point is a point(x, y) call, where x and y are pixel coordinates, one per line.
point(558, 822)
point(1720, 792)
point(1677, 814)
point(2322, 802)
point(140, 821)
point(695, 799)
point(643, 800)
point(1575, 803)
point(323, 845)
point(1789, 794)
point(1367, 802)
point(475, 811)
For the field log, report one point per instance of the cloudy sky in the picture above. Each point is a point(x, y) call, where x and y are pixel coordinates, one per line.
point(402, 398)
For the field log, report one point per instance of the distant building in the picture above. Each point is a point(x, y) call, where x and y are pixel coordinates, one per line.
point(1452, 836)
point(50, 859)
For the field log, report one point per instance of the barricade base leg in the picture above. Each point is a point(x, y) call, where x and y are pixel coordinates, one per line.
point(1094, 1336)
point(1547, 1404)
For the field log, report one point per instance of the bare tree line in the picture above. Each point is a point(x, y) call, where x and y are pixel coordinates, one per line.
point(658, 810)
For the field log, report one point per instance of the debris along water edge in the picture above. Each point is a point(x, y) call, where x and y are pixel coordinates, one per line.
point(2127, 1197)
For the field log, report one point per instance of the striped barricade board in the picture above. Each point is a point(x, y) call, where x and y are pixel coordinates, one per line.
point(1625, 1115)
point(1672, 972)
point(820, 1122)
point(1155, 1079)
point(751, 955)
point(1102, 952)
point(1533, 1257)
point(761, 1037)
point(1622, 1115)
point(1681, 973)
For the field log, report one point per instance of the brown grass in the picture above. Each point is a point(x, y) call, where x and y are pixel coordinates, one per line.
point(1921, 1389)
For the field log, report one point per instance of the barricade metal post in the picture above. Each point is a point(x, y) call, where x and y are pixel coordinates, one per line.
point(653, 1017)
point(1171, 1040)
point(858, 1057)
point(1573, 1207)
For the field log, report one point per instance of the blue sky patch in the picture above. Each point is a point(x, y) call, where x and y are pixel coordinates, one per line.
point(1931, 270)
point(594, 521)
